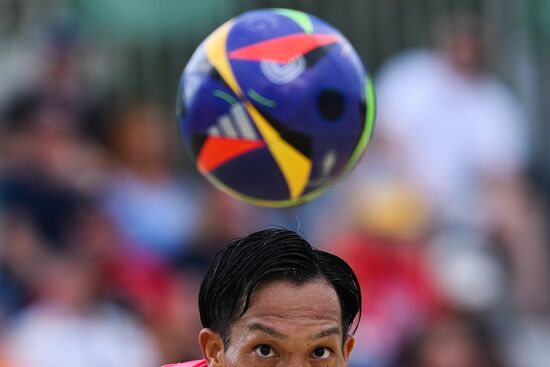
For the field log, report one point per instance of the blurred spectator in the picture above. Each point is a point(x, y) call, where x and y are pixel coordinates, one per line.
point(163, 297)
point(42, 141)
point(154, 207)
point(71, 324)
point(385, 247)
point(450, 126)
point(456, 340)
point(166, 300)
point(55, 61)
point(48, 170)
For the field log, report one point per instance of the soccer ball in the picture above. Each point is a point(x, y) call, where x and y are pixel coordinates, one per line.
point(275, 106)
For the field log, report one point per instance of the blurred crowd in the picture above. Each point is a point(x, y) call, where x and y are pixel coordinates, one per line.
point(105, 234)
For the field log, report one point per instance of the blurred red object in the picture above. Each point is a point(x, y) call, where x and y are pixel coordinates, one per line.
point(399, 296)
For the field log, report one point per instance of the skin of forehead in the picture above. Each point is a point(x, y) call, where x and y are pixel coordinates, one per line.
point(314, 303)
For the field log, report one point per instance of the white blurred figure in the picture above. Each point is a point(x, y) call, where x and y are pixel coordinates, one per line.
point(69, 324)
point(452, 127)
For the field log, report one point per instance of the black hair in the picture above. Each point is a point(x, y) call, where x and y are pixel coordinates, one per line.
point(265, 256)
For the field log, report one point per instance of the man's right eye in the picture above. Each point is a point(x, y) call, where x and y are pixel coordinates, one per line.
point(264, 351)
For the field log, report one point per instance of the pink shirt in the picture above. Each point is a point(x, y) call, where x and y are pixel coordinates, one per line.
point(201, 363)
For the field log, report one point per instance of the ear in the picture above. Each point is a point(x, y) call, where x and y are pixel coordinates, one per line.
point(212, 347)
point(348, 347)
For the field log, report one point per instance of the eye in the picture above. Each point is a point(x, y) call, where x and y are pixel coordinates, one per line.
point(264, 351)
point(321, 353)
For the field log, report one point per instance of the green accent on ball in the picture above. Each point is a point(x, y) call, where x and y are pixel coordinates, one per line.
point(303, 20)
point(369, 125)
point(357, 153)
point(261, 99)
point(225, 96)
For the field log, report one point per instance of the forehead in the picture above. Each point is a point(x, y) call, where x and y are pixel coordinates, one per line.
point(284, 301)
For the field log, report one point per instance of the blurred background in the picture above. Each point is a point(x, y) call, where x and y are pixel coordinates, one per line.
point(106, 228)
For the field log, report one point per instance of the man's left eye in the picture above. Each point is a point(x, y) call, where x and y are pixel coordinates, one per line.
point(321, 353)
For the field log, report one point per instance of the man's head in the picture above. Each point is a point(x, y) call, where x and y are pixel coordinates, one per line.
point(270, 299)
point(463, 37)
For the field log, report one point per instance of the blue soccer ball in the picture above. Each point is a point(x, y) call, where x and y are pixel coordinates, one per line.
point(275, 106)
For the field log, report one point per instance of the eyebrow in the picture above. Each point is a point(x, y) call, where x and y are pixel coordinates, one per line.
point(266, 329)
point(332, 331)
point(270, 331)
